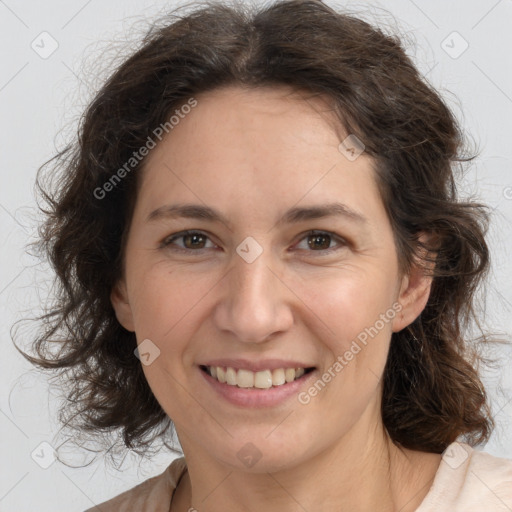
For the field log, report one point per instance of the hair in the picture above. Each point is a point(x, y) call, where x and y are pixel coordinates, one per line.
point(432, 393)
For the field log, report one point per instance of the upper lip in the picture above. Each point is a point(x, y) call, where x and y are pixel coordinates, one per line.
point(256, 366)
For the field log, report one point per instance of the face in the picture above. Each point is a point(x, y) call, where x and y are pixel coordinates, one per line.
point(263, 280)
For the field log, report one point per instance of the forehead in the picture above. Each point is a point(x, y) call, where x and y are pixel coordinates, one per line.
point(258, 147)
point(265, 120)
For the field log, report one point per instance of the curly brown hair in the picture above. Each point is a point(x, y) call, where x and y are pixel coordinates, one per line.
point(432, 393)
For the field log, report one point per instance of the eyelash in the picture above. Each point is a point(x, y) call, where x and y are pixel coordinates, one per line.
point(168, 241)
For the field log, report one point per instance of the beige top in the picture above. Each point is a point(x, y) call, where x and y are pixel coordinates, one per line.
point(467, 481)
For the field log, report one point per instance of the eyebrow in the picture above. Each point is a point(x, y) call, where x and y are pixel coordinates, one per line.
point(293, 215)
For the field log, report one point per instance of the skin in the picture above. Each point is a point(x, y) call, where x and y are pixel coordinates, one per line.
point(252, 154)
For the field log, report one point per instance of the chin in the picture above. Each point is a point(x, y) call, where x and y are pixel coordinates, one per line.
point(257, 454)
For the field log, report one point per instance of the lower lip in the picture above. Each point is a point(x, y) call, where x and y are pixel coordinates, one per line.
point(254, 397)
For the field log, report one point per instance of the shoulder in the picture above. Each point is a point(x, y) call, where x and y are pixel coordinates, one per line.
point(469, 480)
point(152, 495)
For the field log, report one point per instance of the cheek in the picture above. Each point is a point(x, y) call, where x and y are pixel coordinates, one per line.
point(351, 301)
point(357, 307)
point(169, 307)
point(165, 311)
point(162, 298)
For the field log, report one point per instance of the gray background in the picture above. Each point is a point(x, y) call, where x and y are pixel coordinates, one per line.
point(41, 97)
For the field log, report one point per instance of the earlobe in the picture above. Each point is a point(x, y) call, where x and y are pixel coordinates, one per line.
point(414, 294)
point(121, 305)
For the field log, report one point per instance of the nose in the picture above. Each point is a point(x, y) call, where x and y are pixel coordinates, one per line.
point(255, 304)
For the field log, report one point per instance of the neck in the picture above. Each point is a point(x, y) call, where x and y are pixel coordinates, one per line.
point(363, 473)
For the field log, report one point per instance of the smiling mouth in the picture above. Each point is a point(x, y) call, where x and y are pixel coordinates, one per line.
point(264, 379)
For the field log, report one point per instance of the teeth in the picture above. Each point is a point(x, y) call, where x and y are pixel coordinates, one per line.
point(245, 379)
point(221, 374)
point(289, 374)
point(278, 377)
point(262, 380)
point(299, 372)
point(231, 376)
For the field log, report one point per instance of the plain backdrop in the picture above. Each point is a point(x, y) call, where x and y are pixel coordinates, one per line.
point(54, 56)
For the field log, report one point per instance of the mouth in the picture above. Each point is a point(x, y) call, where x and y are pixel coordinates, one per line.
point(263, 379)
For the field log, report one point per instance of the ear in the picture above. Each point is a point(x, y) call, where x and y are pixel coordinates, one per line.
point(121, 305)
point(414, 290)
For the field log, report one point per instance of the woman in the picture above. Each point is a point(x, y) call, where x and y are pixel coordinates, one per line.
point(258, 237)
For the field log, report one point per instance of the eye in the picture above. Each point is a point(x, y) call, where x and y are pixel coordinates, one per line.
point(197, 241)
point(320, 241)
point(191, 241)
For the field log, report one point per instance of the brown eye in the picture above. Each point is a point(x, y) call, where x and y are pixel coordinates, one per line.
point(194, 241)
point(190, 241)
point(320, 242)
